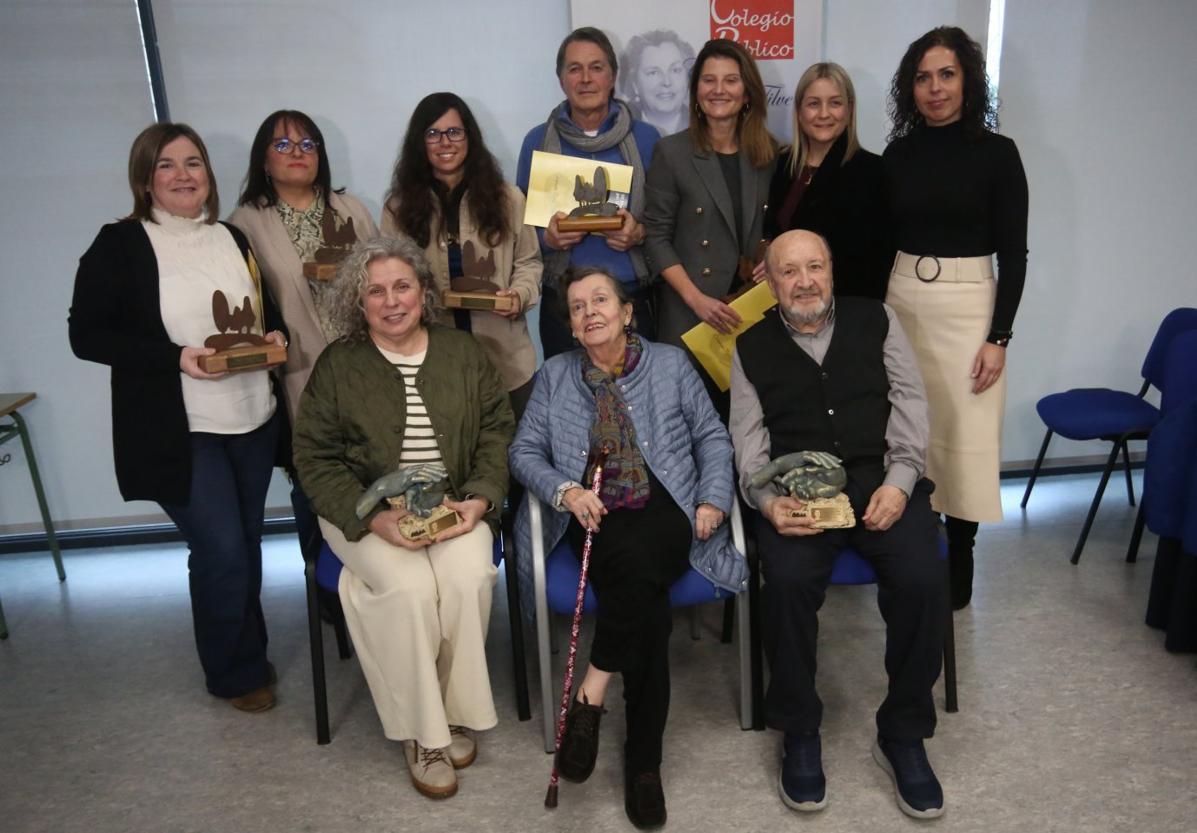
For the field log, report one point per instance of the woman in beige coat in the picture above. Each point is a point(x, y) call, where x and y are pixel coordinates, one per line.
point(293, 218)
point(448, 194)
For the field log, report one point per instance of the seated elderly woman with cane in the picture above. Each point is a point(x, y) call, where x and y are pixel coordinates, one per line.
point(396, 391)
point(666, 486)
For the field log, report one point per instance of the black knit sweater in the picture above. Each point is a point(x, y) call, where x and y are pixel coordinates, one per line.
point(956, 195)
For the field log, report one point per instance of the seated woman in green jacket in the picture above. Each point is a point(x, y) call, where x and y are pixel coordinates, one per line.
point(395, 390)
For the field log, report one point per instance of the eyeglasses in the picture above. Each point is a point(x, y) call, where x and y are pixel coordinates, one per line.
point(432, 136)
point(283, 146)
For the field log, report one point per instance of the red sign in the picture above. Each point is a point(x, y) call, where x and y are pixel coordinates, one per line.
point(764, 27)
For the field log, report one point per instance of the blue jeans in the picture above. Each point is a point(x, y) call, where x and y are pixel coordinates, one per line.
point(222, 524)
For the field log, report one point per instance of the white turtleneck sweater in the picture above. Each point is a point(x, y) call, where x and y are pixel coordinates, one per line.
point(195, 259)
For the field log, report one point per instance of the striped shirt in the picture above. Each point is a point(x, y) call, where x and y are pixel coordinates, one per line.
point(419, 438)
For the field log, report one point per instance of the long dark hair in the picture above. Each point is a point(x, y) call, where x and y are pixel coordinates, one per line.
point(256, 188)
point(753, 130)
point(980, 106)
point(411, 200)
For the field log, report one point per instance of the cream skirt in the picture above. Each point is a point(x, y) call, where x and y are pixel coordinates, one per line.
point(947, 321)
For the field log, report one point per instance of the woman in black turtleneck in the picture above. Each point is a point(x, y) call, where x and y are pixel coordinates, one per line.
point(827, 183)
point(958, 197)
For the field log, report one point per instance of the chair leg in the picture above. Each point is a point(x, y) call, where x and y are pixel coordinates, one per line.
point(523, 707)
point(1130, 484)
point(336, 613)
point(1047, 438)
point(1101, 488)
point(316, 641)
point(695, 631)
point(754, 644)
point(42, 505)
point(747, 712)
point(949, 665)
point(729, 619)
point(3, 624)
point(1132, 552)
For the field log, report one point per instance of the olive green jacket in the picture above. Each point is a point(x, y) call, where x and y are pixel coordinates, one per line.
point(350, 427)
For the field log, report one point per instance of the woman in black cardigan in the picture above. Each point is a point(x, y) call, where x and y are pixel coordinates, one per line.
point(827, 183)
point(202, 445)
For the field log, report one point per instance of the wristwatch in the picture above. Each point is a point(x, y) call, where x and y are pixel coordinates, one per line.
point(1000, 337)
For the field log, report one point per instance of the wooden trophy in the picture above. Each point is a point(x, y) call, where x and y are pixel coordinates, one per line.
point(474, 290)
point(415, 528)
point(237, 347)
point(594, 212)
point(337, 243)
point(816, 478)
point(745, 266)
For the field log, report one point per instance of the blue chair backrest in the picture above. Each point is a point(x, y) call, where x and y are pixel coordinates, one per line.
point(1180, 371)
point(1168, 495)
point(1177, 321)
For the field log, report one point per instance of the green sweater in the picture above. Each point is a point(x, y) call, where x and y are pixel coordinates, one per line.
point(352, 414)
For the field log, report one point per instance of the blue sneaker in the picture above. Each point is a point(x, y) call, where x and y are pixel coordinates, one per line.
point(801, 781)
point(917, 789)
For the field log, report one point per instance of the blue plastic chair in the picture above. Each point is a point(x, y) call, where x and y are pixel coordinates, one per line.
point(555, 583)
point(322, 571)
point(1112, 415)
point(850, 568)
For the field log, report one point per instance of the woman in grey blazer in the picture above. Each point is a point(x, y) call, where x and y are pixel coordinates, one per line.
point(707, 188)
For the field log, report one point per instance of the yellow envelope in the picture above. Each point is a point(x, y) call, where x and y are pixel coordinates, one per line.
point(713, 349)
point(553, 177)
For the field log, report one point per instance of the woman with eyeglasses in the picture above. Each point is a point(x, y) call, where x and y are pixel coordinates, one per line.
point(293, 217)
point(447, 193)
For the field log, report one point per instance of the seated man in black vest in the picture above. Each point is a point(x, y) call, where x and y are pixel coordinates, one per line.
point(837, 375)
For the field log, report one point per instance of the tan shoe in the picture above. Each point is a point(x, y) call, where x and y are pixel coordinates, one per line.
point(463, 748)
point(431, 773)
point(258, 700)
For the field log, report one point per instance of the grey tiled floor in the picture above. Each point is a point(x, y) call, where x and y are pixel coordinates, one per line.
point(1073, 717)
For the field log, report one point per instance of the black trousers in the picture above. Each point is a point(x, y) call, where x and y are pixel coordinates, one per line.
point(635, 557)
point(555, 336)
point(912, 595)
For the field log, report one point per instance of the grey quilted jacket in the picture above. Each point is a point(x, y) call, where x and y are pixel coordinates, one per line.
point(680, 436)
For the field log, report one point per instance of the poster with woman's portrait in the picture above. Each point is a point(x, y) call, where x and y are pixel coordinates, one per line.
point(655, 44)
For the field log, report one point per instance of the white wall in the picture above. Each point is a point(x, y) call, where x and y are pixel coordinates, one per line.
point(74, 94)
point(1098, 94)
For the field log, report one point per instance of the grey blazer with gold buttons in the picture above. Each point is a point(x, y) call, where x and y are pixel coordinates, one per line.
point(690, 219)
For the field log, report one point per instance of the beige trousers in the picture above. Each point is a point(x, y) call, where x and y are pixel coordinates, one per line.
point(947, 321)
point(418, 619)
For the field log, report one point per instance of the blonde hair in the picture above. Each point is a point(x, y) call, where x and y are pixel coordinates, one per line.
point(800, 150)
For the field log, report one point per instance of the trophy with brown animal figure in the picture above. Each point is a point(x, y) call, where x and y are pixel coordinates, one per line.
point(339, 237)
point(475, 288)
point(236, 344)
point(594, 212)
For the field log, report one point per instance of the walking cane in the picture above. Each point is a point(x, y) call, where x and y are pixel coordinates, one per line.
point(550, 798)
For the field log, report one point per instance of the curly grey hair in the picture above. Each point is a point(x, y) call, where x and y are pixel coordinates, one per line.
point(346, 313)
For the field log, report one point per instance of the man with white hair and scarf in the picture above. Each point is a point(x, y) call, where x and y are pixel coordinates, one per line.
point(837, 376)
point(592, 124)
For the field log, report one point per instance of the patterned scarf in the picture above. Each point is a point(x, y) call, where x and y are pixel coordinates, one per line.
point(625, 474)
point(620, 133)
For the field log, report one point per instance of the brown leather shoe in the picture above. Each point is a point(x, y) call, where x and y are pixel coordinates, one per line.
point(258, 700)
